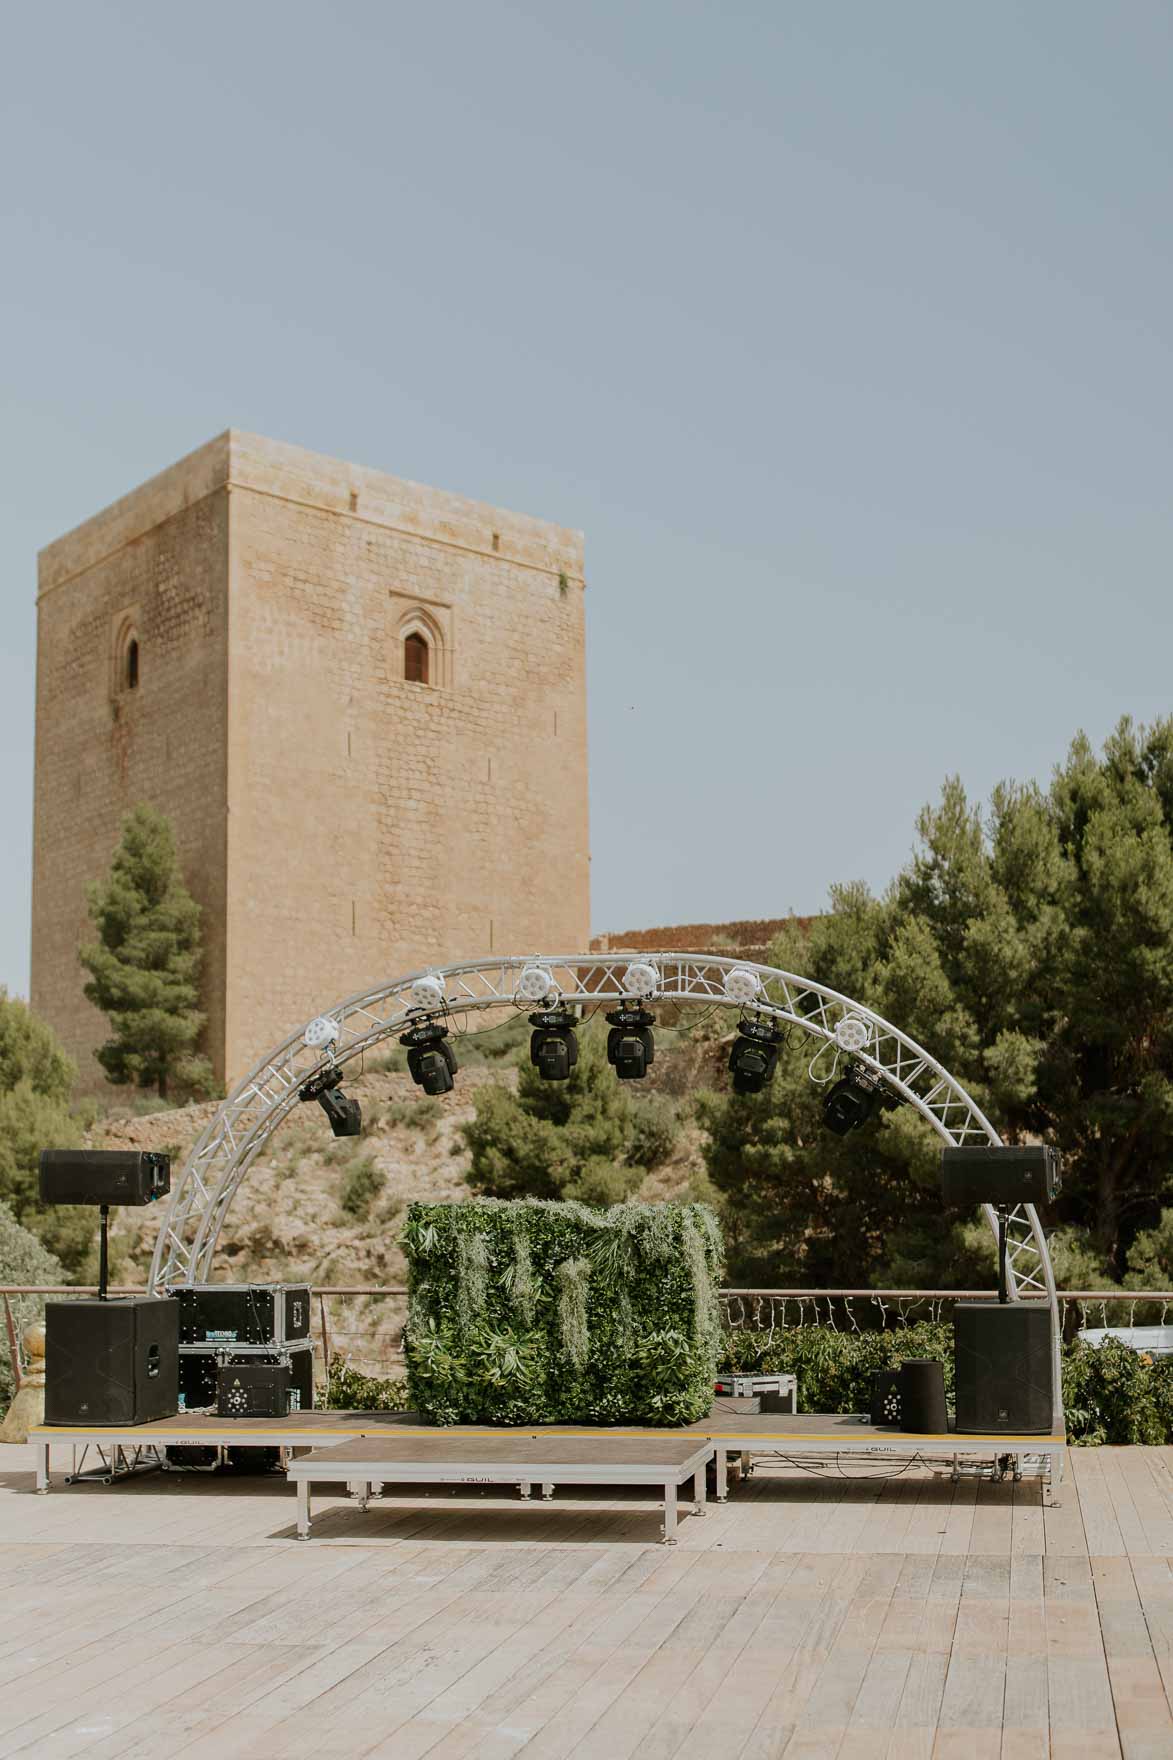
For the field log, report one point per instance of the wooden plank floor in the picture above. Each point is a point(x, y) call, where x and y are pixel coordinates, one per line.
point(808, 1618)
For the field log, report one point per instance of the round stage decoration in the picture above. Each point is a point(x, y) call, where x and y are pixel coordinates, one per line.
point(322, 1031)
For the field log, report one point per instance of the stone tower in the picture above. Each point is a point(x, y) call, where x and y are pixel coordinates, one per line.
point(362, 704)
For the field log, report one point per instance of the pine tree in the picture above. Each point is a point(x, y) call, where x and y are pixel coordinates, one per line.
point(584, 1138)
point(36, 1078)
point(1031, 950)
point(144, 968)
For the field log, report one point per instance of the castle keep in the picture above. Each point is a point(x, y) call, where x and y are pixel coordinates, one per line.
point(360, 701)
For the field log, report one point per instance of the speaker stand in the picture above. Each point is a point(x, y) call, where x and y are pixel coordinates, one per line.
point(103, 1250)
point(1003, 1286)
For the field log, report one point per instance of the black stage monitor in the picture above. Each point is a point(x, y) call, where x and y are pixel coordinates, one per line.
point(104, 1176)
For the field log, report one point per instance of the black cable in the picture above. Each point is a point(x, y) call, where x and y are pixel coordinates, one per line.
point(820, 1473)
point(474, 1032)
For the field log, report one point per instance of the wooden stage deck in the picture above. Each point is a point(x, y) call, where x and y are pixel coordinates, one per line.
point(731, 1430)
point(808, 1618)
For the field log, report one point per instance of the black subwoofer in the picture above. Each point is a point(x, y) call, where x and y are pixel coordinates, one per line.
point(113, 1362)
point(1003, 1368)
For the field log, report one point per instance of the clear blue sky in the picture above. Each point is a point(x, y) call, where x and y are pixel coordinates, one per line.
point(843, 331)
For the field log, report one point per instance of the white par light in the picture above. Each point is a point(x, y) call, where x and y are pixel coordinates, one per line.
point(322, 1032)
point(535, 984)
point(640, 979)
point(741, 985)
point(428, 992)
point(852, 1033)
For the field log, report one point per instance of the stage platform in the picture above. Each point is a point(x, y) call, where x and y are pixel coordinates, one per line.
point(803, 1438)
point(370, 1464)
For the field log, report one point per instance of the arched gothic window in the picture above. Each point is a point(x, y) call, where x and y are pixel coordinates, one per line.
point(415, 658)
point(126, 674)
point(420, 641)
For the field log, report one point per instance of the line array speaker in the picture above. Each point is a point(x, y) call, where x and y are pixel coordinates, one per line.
point(994, 1174)
point(104, 1176)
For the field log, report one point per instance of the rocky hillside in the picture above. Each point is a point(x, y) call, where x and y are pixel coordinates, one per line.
point(328, 1211)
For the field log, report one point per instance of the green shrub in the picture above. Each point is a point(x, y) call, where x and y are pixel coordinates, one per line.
point(655, 1127)
point(504, 1043)
point(555, 1139)
point(1111, 1393)
point(23, 1260)
point(363, 1183)
point(342, 1151)
point(835, 1369)
point(418, 1115)
point(348, 1391)
point(31, 1052)
point(534, 1312)
point(1114, 1394)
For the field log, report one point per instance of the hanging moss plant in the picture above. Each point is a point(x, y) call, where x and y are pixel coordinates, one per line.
point(472, 1278)
point(522, 1288)
point(533, 1312)
point(572, 1310)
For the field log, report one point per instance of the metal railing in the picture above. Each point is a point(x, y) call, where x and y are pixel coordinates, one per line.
point(363, 1323)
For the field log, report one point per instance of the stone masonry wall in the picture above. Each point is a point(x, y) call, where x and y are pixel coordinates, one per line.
point(338, 824)
point(376, 825)
point(154, 566)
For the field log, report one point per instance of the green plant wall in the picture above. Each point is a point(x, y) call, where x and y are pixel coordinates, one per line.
point(537, 1312)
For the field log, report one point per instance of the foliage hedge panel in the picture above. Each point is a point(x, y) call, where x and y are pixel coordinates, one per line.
point(1111, 1394)
point(538, 1312)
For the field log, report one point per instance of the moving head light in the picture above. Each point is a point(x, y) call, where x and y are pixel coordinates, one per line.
point(343, 1110)
point(753, 1056)
point(431, 1061)
point(553, 1048)
point(853, 1101)
point(630, 1046)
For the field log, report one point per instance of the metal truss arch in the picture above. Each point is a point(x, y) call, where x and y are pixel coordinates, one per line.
point(220, 1161)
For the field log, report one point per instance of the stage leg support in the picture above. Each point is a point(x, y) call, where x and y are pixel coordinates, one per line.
point(669, 1535)
point(722, 1468)
point(303, 1509)
point(41, 1466)
point(699, 1495)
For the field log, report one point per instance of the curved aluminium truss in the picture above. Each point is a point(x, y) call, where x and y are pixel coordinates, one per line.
point(247, 1119)
point(244, 1123)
